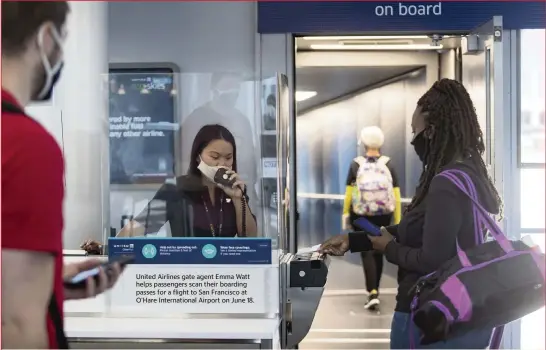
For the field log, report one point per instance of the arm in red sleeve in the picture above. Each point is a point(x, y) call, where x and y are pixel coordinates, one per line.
point(32, 191)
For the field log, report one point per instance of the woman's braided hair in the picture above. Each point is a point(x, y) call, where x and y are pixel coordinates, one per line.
point(452, 116)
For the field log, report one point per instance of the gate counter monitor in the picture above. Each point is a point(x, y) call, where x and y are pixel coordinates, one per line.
point(141, 104)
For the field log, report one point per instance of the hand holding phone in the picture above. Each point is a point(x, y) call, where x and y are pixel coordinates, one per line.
point(94, 277)
point(366, 226)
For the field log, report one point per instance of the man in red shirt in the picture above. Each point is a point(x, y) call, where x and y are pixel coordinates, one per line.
point(32, 184)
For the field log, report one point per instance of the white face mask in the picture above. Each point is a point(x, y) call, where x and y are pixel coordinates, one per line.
point(52, 72)
point(207, 170)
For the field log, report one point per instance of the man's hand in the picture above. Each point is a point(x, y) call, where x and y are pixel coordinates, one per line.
point(337, 245)
point(105, 280)
point(380, 242)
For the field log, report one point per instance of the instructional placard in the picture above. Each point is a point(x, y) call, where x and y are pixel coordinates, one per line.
point(191, 290)
point(213, 251)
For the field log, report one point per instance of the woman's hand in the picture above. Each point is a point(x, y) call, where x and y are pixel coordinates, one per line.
point(380, 242)
point(235, 192)
point(337, 245)
point(93, 288)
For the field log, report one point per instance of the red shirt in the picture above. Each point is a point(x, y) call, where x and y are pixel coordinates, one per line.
point(32, 193)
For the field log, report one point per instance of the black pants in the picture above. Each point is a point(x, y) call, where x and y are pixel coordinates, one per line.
point(372, 261)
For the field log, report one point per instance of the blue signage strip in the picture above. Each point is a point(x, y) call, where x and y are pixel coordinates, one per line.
point(192, 251)
point(353, 17)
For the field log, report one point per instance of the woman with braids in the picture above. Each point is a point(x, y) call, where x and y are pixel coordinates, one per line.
point(446, 136)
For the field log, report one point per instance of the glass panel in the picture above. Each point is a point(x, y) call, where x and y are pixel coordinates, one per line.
point(268, 138)
point(532, 325)
point(532, 92)
point(160, 153)
point(532, 198)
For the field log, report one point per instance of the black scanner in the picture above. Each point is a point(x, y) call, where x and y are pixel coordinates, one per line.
point(309, 270)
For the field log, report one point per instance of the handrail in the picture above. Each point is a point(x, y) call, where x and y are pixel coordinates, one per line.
point(339, 197)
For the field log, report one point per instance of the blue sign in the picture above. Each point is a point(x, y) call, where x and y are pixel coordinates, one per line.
point(354, 17)
point(192, 251)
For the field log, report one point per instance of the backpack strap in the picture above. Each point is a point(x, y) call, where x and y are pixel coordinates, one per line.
point(360, 160)
point(491, 225)
point(54, 313)
point(383, 160)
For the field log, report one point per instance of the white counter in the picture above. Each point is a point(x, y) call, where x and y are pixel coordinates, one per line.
point(105, 324)
point(170, 328)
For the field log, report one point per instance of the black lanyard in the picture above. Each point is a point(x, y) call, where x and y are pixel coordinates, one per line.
point(8, 107)
point(211, 223)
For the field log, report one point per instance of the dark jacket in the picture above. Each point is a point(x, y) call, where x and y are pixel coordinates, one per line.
point(181, 204)
point(426, 236)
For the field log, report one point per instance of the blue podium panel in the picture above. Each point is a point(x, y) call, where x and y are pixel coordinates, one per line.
point(351, 17)
point(193, 251)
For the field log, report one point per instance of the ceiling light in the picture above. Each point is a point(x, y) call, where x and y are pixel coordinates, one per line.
point(376, 37)
point(376, 47)
point(304, 95)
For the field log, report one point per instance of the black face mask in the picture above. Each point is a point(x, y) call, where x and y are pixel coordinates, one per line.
point(421, 145)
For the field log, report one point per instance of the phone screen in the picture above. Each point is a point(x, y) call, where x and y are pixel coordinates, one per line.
point(365, 225)
point(82, 276)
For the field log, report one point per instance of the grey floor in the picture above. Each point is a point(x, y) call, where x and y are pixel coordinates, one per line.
point(341, 321)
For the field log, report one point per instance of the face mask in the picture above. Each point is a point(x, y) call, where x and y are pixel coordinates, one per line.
point(52, 72)
point(421, 145)
point(207, 170)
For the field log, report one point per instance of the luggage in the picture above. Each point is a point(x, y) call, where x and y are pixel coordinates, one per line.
point(483, 287)
point(373, 193)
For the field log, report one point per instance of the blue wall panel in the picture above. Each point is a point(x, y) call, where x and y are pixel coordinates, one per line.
point(337, 17)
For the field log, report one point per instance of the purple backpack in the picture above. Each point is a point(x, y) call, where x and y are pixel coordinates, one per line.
point(486, 286)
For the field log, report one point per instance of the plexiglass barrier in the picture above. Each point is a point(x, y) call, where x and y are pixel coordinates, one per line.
point(166, 129)
point(197, 194)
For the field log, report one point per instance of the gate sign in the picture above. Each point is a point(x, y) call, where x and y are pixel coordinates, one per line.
point(183, 289)
point(353, 17)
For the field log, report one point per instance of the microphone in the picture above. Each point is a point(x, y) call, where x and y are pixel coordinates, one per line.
point(221, 177)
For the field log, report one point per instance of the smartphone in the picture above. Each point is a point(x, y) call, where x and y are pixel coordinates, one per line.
point(366, 226)
point(222, 178)
point(80, 279)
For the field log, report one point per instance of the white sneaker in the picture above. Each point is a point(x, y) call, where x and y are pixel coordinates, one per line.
point(373, 302)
